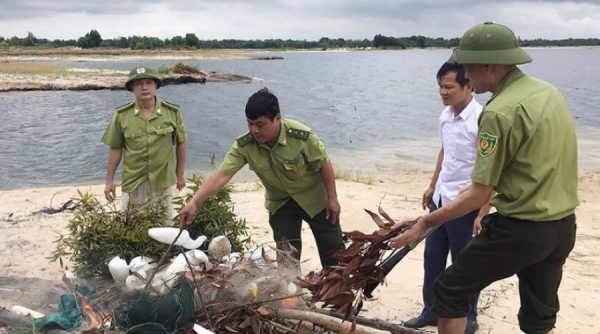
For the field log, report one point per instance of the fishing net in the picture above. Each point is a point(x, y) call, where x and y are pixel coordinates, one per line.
point(168, 313)
point(228, 294)
point(246, 284)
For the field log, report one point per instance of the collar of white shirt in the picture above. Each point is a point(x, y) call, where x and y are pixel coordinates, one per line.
point(469, 109)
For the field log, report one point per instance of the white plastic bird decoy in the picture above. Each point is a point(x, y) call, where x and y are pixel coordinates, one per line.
point(133, 283)
point(197, 257)
point(201, 330)
point(169, 274)
point(141, 265)
point(166, 235)
point(232, 258)
point(119, 270)
point(24, 311)
point(256, 254)
point(219, 246)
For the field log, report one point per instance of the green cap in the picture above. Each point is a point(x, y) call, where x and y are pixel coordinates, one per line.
point(489, 44)
point(142, 73)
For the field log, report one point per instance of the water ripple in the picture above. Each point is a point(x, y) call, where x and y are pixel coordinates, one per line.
point(374, 111)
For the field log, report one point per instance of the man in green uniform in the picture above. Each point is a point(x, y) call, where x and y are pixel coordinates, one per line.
point(527, 153)
point(298, 177)
point(143, 132)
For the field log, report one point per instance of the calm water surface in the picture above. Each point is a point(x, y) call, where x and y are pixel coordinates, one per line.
point(376, 111)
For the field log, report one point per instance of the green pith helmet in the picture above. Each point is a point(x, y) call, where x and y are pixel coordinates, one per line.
point(142, 73)
point(489, 44)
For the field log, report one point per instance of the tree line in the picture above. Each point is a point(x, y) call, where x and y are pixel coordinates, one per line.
point(93, 39)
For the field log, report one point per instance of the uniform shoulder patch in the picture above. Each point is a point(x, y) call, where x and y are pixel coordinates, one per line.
point(487, 144)
point(244, 140)
point(297, 133)
point(170, 106)
point(125, 106)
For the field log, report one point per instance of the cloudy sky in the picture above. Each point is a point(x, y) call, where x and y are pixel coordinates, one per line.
point(295, 19)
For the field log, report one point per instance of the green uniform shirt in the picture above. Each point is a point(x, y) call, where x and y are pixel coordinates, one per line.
point(147, 144)
point(528, 150)
point(290, 169)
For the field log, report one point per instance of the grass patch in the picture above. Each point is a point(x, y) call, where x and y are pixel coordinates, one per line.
point(354, 176)
point(179, 68)
point(23, 67)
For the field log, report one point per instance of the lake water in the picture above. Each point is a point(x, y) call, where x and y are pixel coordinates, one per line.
point(376, 111)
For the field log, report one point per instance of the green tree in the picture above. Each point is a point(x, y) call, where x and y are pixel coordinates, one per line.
point(27, 42)
point(385, 41)
point(178, 41)
point(94, 38)
point(57, 43)
point(30, 40)
point(91, 40)
point(84, 43)
point(191, 40)
point(324, 42)
point(14, 41)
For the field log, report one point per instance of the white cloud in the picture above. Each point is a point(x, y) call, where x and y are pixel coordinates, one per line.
point(306, 19)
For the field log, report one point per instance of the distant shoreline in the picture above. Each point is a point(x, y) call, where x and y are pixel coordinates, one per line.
point(20, 75)
point(115, 54)
point(84, 81)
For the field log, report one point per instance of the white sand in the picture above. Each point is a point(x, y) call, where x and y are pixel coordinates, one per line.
point(26, 240)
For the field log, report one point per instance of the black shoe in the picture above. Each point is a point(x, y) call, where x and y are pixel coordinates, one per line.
point(472, 327)
point(420, 321)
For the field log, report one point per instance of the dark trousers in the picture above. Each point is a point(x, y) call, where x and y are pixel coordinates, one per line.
point(534, 251)
point(287, 227)
point(451, 237)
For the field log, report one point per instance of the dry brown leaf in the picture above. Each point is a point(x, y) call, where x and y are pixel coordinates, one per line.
point(245, 324)
point(231, 329)
point(256, 324)
point(265, 311)
point(386, 216)
point(376, 218)
point(340, 299)
point(340, 287)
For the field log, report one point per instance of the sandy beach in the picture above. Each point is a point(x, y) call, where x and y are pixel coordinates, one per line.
point(26, 240)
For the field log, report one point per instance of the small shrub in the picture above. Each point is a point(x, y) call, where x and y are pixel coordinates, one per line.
point(97, 233)
point(215, 216)
point(181, 68)
point(178, 68)
point(163, 70)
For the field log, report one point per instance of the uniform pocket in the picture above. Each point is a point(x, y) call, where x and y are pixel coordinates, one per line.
point(165, 131)
point(294, 168)
point(135, 140)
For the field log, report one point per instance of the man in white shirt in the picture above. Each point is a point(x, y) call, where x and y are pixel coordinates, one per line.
point(458, 130)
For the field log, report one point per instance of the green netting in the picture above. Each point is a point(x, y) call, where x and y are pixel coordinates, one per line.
point(169, 313)
point(69, 313)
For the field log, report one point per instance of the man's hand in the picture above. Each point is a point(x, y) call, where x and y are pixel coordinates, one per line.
point(332, 211)
point(427, 196)
point(410, 235)
point(110, 191)
point(180, 182)
point(187, 214)
point(477, 225)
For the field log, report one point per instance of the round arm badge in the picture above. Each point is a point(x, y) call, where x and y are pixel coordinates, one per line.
point(487, 144)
